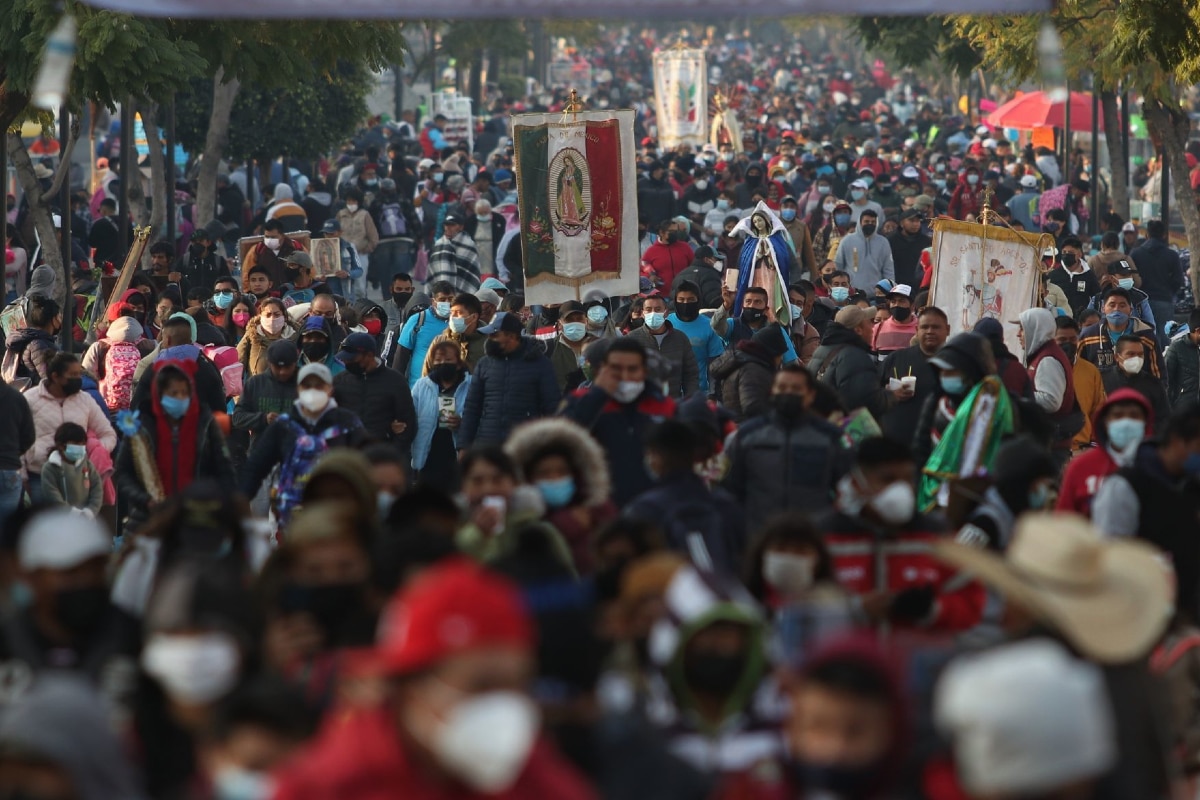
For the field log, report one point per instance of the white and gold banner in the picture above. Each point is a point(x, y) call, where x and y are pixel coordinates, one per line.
point(681, 97)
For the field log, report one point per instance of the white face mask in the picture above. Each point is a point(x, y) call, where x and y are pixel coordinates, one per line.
point(1133, 365)
point(486, 740)
point(193, 669)
point(896, 504)
point(701, 185)
point(628, 391)
point(235, 783)
point(313, 400)
point(829, 207)
point(789, 573)
point(352, 207)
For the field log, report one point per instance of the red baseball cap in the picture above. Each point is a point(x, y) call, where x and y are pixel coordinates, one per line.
point(454, 607)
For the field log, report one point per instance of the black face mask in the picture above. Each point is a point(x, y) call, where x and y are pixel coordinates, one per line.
point(900, 313)
point(444, 373)
point(788, 406)
point(197, 249)
point(354, 368)
point(867, 228)
point(687, 311)
point(494, 349)
point(753, 315)
point(73, 386)
point(315, 351)
point(1068, 259)
point(401, 298)
point(753, 179)
point(331, 606)
point(81, 610)
point(1070, 349)
point(635, 323)
point(550, 314)
point(672, 237)
point(714, 673)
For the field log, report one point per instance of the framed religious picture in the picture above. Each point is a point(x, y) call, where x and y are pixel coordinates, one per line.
point(248, 243)
point(326, 257)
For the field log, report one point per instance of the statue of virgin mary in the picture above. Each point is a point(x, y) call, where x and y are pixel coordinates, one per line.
point(765, 261)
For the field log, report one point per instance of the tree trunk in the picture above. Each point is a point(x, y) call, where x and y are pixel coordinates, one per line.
point(1119, 189)
point(158, 176)
point(224, 93)
point(1172, 127)
point(39, 212)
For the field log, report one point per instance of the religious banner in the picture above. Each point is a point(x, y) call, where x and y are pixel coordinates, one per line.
point(577, 192)
point(681, 97)
point(982, 271)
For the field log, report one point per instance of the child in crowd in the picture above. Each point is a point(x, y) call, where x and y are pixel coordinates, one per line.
point(69, 478)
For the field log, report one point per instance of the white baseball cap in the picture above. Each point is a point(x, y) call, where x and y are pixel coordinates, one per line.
point(1025, 719)
point(858, 185)
point(61, 539)
point(901, 289)
point(1029, 181)
point(982, 130)
point(425, 163)
point(1129, 227)
point(320, 370)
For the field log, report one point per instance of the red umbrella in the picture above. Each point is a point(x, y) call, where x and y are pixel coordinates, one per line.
point(1035, 110)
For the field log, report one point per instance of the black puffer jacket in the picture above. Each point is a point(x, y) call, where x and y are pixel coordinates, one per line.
point(378, 398)
point(507, 391)
point(844, 363)
point(745, 376)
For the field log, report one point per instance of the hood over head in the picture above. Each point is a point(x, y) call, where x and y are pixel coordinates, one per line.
point(1019, 462)
point(282, 192)
point(41, 282)
point(63, 721)
point(533, 440)
point(124, 329)
point(1038, 327)
point(968, 353)
point(1125, 395)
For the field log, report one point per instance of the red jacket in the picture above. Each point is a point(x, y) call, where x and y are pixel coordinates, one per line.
point(357, 756)
point(966, 200)
point(908, 562)
point(666, 261)
point(1088, 470)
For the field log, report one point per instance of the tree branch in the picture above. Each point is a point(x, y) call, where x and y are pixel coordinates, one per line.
point(64, 161)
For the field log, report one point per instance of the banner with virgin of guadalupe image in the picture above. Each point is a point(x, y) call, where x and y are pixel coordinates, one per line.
point(577, 195)
point(982, 271)
point(681, 97)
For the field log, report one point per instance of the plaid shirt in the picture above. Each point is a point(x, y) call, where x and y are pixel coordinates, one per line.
point(456, 261)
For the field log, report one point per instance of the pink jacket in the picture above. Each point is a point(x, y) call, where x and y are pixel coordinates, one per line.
point(49, 412)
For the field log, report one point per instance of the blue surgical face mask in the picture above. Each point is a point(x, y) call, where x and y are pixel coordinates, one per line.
point(1038, 496)
point(75, 452)
point(857, 194)
point(842, 220)
point(840, 294)
point(458, 324)
point(655, 320)
point(972, 179)
point(841, 166)
point(1116, 319)
point(822, 189)
point(788, 214)
point(557, 493)
point(953, 385)
point(1125, 283)
point(223, 300)
point(597, 315)
point(442, 309)
point(175, 407)
point(1124, 432)
point(722, 205)
point(574, 331)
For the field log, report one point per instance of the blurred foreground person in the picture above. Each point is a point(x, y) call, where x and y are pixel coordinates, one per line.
point(458, 722)
point(1027, 720)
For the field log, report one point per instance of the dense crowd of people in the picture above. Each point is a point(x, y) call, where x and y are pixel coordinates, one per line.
point(277, 526)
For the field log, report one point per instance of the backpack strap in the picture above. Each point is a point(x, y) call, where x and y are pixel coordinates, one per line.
point(1164, 657)
point(829, 361)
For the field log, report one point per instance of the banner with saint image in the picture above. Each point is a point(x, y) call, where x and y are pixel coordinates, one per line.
point(577, 194)
point(681, 97)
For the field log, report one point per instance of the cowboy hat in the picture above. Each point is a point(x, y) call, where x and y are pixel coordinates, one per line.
point(1110, 598)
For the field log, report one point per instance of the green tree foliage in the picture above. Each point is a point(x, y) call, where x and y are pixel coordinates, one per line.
point(917, 41)
point(304, 120)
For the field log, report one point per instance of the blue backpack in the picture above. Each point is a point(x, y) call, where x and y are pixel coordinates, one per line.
point(293, 474)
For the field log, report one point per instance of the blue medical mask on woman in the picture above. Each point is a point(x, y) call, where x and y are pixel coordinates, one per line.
point(557, 493)
point(842, 220)
point(953, 385)
point(1125, 283)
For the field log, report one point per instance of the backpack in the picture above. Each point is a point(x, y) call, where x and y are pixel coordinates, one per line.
point(295, 469)
point(229, 364)
point(391, 221)
point(116, 386)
